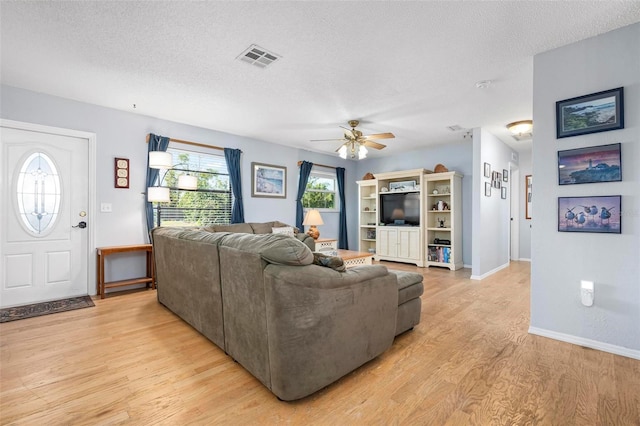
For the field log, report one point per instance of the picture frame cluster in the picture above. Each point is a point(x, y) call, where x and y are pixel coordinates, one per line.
point(497, 181)
point(596, 112)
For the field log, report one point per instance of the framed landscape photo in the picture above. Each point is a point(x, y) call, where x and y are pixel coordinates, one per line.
point(597, 112)
point(599, 214)
point(268, 181)
point(588, 165)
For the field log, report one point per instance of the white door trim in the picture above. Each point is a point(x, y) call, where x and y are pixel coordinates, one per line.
point(92, 213)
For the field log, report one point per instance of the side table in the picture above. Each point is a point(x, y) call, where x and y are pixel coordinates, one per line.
point(103, 252)
point(324, 244)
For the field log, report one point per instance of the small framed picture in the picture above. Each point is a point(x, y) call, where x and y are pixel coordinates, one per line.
point(600, 214)
point(528, 187)
point(121, 173)
point(487, 170)
point(487, 189)
point(505, 175)
point(597, 112)
point(268, 181)
point(503, 193)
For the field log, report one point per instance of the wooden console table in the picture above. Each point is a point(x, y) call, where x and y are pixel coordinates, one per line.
point(103, 252)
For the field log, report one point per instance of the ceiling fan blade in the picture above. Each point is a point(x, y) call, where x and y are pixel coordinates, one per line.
point(327, 140)
point(380, 136)
point(372, 144)
point(348, 133)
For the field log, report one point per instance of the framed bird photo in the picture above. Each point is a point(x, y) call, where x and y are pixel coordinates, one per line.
point(599, 214)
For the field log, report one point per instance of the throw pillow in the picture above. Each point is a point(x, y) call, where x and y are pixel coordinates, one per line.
point(286, 230)
point(333, 262)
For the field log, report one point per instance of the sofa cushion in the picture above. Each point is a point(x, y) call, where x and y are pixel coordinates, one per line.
point(274, 248)
point(262, 228)
point(409, 285)
point(284, 230)
point(235, 227)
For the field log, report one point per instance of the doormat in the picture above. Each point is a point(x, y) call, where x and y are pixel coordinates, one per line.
point(44, 308)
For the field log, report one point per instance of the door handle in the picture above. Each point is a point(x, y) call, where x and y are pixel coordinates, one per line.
point(81, 225)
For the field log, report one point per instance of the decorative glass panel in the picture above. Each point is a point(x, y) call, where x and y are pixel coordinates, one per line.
point(38, 192)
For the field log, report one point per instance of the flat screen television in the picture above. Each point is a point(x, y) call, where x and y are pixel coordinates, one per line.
point(401, 208)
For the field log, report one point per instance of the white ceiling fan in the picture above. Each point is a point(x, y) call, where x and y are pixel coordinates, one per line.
point(355, 143)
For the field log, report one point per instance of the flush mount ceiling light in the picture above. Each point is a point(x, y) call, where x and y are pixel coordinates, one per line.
point(520, 127)
point(483, 84)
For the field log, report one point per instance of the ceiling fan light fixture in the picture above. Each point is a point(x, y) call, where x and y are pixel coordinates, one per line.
point(342, 152)
point(362, 152)
point(520, 127)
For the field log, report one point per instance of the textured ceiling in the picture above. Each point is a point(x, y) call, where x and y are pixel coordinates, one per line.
point(404, 67)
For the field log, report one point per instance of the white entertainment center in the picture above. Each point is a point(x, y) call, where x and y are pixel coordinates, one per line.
point(412, 216)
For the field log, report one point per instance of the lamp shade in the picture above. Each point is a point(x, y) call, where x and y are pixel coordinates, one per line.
point(160, 160)
point(342, 152)
point(187, 182)
point(362, 152)
point(313, 218)
point(158, 194)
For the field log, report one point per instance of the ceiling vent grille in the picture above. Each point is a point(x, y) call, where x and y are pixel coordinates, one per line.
point(256, 55)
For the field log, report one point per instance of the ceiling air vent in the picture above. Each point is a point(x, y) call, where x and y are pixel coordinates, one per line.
point(455, 128)
point(256, 55)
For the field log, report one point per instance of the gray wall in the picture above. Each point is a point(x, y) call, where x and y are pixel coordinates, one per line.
point(490, 216)
point(456, 157)
point(525, 225)
point(560, 260)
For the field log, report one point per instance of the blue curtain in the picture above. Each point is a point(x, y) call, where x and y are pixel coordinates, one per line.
point(156, 143)
point(233, 165)
point(305, 171)
point(343, 240)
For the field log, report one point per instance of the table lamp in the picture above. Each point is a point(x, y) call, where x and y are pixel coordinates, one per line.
point(313, 219)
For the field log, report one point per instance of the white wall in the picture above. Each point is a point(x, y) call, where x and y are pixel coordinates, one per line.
point(491, 215)
point(525, 225)
point(560, 260)
point(122, 134)
point(456, 157)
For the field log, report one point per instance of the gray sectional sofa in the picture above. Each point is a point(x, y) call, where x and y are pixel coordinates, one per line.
point(294, 325)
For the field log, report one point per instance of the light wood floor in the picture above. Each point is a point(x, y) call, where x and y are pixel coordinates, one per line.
point(470, 361)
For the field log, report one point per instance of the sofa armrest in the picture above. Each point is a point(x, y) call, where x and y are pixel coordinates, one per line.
point(310, 242)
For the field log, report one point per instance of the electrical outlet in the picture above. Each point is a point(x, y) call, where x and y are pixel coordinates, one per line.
point(105, 207)
point(587, 292)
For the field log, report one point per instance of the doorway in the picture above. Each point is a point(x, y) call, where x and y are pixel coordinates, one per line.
point(46, 232)
point(514, 228)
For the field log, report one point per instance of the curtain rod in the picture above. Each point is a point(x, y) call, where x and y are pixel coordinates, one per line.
point(319, 165)
point(191, 143)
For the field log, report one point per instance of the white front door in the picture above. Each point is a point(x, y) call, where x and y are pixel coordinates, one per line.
point(44, 190)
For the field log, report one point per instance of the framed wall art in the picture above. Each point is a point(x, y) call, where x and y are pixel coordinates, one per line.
point(268, 181)
point(597, 112)
point(121, 173)
point(590, 214)
point(487, 189)
point(487, 170)
point(588, 165)
point(505, 175)
point(503, 193)
point(528, 190)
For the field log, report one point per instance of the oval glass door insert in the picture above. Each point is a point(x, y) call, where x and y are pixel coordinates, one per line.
point(38, 192)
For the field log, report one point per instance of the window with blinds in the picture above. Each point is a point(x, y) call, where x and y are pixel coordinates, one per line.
point(209, 204)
